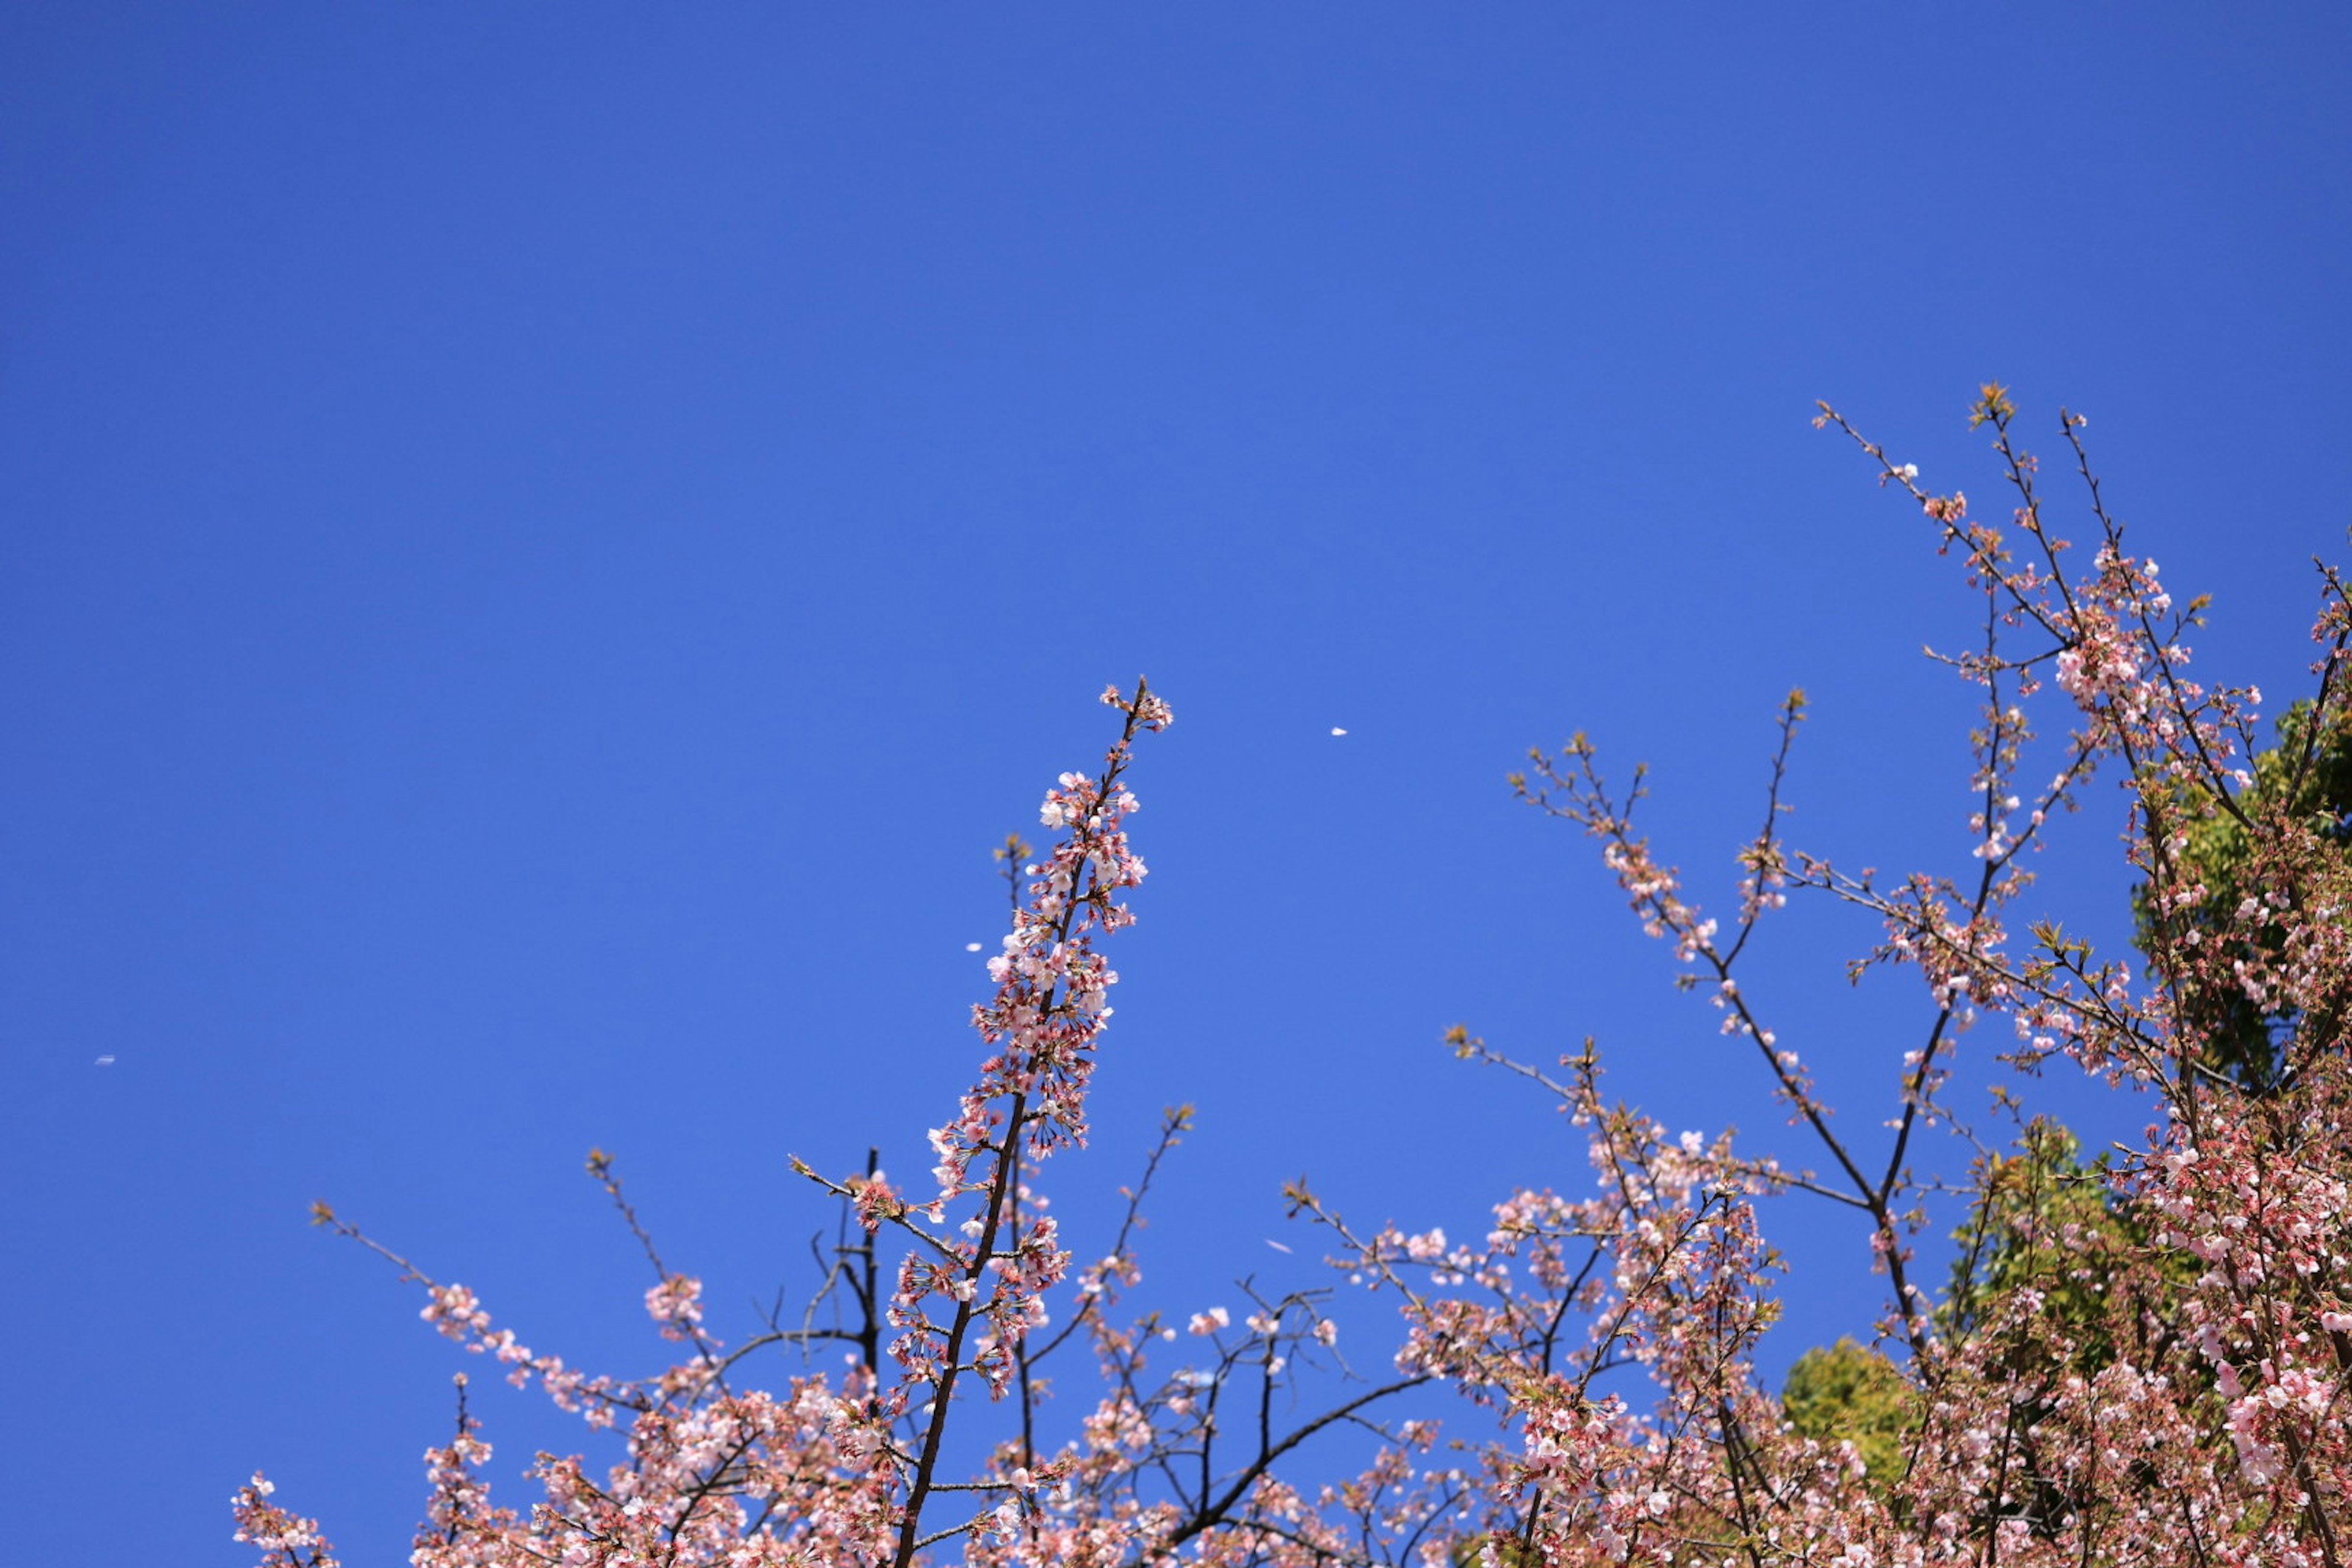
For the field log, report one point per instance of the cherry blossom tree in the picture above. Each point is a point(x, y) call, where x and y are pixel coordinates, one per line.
point(2135, 1358)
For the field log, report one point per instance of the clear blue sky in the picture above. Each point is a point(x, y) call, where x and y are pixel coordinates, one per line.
point(543, 546)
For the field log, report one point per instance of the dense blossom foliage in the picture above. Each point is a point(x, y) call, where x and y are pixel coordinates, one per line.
point(2141, 1358)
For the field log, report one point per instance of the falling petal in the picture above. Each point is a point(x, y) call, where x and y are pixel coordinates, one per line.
point(1337, 731)
point(106, 1061)
point(972, 947)
point(1275, 1245)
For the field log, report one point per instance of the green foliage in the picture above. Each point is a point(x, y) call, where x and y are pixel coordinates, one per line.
point(2048, 1227)
point(2044, 1221)
point(2305, 781)
point(1851, 1392)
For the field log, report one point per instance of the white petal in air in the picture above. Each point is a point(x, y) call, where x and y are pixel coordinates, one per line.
point(1275, 1245)
point(972, 947)
point(105, 1061)
point(1337, 731)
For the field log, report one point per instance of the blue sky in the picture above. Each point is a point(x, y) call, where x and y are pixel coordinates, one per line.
point(542, 550)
